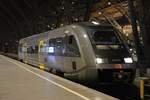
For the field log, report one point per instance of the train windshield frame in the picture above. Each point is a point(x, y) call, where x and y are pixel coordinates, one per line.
point(107, 43)
point(105, 37)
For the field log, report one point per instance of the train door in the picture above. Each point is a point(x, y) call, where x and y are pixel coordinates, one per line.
point(55, 55)
point(20, 51)
point(25, 56)
point(41, 54)
point(73, 61)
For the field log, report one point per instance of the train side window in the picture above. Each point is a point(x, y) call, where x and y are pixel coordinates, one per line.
point(51, 48)
point(36, 49)
point(56, 46)
point(70, 39)
point(24, 49)
point(72, 48)
point(59, 46)
point(30, 49)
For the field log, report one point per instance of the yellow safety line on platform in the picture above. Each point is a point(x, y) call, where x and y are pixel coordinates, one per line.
point(59, 85)
point(42, 66)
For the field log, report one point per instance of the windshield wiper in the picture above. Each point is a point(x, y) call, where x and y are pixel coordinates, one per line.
point(109, 46)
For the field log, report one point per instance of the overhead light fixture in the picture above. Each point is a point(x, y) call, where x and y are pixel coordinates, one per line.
point(109, 3)
point(99, 13)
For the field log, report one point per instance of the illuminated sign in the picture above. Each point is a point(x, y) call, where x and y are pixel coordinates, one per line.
point(51, 49)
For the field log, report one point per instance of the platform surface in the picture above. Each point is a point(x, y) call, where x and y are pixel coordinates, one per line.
point(19, 81)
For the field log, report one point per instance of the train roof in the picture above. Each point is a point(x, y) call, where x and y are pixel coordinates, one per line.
point(86, 25)
point(95, 26)
point(40, 35)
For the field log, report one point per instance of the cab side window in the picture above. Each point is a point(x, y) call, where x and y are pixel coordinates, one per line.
point(72, 48)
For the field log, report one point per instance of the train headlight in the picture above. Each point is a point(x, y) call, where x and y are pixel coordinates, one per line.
point(128, 60)
point(99, 60)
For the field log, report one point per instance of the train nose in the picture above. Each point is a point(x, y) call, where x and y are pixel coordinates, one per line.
point(124, 76)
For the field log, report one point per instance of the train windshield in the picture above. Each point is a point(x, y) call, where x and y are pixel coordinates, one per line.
point(108, 44)
point(105, 37)
point(106, 40)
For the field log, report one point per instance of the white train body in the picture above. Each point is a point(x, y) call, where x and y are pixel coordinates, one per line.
point(80, 51)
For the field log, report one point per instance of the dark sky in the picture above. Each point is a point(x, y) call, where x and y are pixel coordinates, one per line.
point(16, 16)
point(21, 18)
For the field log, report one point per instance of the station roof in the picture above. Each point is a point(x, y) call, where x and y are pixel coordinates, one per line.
point(114, 10)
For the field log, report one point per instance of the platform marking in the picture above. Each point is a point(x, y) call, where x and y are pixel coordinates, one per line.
point(42, 66)
point(59, 85)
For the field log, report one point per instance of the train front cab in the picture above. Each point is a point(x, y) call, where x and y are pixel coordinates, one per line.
point(112, 59)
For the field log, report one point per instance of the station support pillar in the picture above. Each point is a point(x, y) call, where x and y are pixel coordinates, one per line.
point(144, 23)
point(140, 16)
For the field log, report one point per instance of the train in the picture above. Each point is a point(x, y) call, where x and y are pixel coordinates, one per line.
point(81, 51)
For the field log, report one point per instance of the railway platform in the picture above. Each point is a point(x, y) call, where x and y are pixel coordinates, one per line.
point(19, 81)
